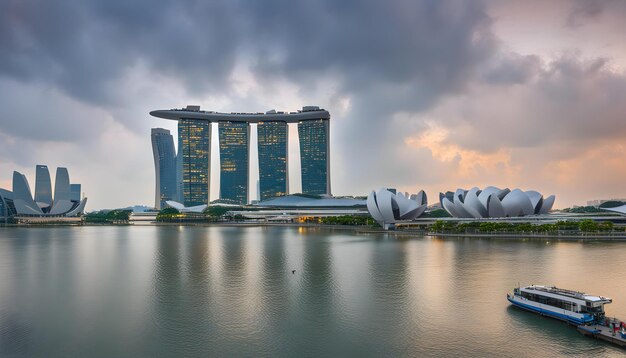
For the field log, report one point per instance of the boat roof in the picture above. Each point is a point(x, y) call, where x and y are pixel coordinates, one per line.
point(568, 293)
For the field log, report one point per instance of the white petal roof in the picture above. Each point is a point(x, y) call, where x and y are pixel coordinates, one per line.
point(495, 202)
point(388, 208)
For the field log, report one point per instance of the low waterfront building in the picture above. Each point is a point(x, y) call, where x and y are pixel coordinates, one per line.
point(186, 209)
point(302, 208)
point(20, 205)
point(143, 217)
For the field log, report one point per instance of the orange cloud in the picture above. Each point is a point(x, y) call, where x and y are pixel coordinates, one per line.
point(469, 163)
point(594, 173)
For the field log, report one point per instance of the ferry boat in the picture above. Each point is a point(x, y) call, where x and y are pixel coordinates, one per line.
point(573, 307)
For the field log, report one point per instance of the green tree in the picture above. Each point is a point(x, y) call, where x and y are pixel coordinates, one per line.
point(108, 216)
point(167, 214)
point(438, 226)
point(605, 226)
point(487, 227)
point(588, 225)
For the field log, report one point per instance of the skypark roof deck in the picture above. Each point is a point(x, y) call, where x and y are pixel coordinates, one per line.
point(307, 113)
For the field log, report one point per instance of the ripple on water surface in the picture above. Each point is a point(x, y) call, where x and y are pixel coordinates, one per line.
point(217, 291)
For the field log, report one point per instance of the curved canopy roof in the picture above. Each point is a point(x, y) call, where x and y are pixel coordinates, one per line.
point(617, 209)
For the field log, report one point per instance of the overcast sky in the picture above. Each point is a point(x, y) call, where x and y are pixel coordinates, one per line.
point(431, 95)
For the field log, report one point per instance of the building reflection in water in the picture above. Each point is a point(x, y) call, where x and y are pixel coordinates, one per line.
point(219, 291)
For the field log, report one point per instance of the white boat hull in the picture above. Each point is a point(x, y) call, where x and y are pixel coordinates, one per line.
point(545, 310)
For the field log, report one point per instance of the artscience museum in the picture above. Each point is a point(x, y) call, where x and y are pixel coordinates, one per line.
point(66, 201)
point(493, 202)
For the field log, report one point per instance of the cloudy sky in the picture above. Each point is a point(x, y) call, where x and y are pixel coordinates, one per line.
point(429, 95)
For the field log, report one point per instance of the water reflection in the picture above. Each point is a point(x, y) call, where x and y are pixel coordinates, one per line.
point(217, 291)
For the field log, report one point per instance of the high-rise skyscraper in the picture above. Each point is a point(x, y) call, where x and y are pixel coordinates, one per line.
point(194, 135)
point(194, 138)
point(234, 163)
point(314, 156)
point(273, 174)
point(164, 166)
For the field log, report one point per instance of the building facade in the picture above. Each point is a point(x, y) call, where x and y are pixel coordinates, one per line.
point(194, 127)
point(164, 154)
point(234, 140)
point(194, 139)
point(273, 159)
point(314, 156)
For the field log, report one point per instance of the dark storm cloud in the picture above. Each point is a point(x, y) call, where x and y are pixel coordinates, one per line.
point(84, 47)
point(432, 45)
point(570, 102)
point(583, 11)
point(387, 57)
point(508, 68)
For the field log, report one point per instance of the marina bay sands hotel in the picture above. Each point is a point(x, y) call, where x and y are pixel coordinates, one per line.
point(194, 153)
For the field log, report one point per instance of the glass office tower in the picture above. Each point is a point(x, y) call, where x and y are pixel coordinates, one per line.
point(234, 140)
point(164, 166)
point(273, 173)
point(314, 152)
point(194, 147)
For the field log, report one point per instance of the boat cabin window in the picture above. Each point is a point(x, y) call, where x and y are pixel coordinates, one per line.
point(550, 301)
point(593, 309)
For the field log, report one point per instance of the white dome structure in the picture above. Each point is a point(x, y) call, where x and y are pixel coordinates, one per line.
point(493, 202)
point(387, 207)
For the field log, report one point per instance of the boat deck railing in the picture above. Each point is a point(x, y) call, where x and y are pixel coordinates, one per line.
point(559, 291)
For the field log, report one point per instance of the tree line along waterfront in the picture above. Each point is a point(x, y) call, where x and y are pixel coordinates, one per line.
point(559, 227)
point(116, 216)
point(229, 214)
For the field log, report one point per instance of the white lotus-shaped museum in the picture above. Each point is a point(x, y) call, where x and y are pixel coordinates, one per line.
point(493, 202)
point(387, 207)
point(67, 198)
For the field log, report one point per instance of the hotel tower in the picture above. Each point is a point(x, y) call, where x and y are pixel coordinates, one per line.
point(194, 152)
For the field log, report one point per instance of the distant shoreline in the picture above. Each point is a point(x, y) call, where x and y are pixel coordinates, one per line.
point(361, 230)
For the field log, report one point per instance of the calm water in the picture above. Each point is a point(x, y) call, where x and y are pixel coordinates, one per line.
point(217, 291)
